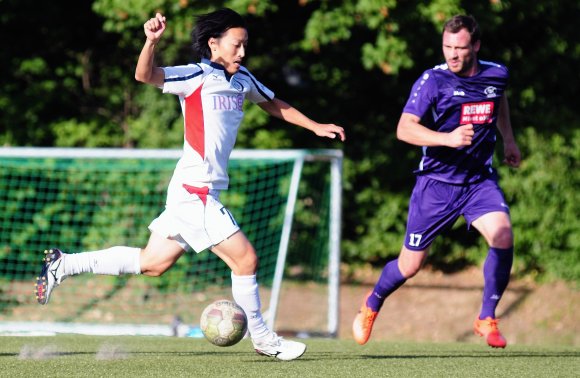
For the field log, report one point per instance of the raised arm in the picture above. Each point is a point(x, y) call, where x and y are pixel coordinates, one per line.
point(146, 71)
point(511, 151)
point(411, 131)
point(288, 113)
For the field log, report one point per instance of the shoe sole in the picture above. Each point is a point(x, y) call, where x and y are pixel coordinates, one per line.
point(42, 279)
point(277, 355)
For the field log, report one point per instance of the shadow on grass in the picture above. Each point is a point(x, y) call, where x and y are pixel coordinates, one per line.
point(452, 355)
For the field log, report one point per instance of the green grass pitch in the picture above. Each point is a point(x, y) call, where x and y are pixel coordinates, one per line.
point(143, 356)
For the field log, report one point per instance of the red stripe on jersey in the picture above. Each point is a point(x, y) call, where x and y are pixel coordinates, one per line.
point(194, 127)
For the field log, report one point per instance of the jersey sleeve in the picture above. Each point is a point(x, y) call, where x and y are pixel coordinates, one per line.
point(258, 92)
point(423, 95)
point(182, 80)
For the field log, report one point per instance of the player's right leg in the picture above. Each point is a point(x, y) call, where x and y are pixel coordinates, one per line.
point(428, 217)
point(57, 266)
point(394, 274)
point(159, 255)
point(50, 276)
point(429, 214)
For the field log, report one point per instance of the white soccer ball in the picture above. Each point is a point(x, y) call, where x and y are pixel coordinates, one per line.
point(223, 323)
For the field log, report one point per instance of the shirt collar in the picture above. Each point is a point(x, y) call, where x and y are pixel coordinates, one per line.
point(216, 66)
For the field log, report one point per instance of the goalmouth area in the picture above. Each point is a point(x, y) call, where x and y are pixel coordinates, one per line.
point(288, 202)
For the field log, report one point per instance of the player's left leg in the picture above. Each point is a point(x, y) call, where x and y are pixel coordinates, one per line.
point(239, 254)
point(496, 228)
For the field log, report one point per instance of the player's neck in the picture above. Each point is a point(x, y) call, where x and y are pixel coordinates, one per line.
point(472, 71)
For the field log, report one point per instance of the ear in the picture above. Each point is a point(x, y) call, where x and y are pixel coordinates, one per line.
point(212, 43)
point(476, 46)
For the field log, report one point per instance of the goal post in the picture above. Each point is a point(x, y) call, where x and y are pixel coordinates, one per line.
point(288, 202)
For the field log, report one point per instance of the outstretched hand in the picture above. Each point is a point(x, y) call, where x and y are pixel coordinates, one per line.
point(154, 27)
point(330, 130)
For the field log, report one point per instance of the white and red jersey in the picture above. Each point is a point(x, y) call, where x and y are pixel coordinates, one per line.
point(211, 102)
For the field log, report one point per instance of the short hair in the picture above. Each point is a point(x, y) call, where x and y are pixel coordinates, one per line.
point(213, 25)
point(456, 23)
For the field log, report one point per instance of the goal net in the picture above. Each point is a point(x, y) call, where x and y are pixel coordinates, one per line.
point(286, 201)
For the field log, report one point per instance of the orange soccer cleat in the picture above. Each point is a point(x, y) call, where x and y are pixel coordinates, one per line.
point(363, 322)
point(488, 327)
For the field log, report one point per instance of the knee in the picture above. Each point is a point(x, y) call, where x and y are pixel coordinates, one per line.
point(153, 271)
point(151, 266)
point(502, 238)
point(239, 254)
point(245, 262)
point(409, 270)
point(248, 263)
point(411, 262)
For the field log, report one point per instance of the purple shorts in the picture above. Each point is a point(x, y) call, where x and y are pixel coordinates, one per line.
point(436, 205)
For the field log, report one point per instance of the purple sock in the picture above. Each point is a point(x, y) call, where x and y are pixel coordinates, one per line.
point(496, 275)
point(391, 279)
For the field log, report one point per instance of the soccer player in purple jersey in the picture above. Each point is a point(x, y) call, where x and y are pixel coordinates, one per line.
point(452, 113)
point(211, 94)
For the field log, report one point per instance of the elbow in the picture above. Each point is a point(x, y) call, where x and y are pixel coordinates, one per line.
point(146, 76)
point(140, 78)
point(401, 129)
point(401, 135)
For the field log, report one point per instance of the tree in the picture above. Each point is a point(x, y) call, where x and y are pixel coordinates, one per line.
point(351, 62)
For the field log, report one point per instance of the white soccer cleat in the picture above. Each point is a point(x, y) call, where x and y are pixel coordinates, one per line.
point(273, 345)
point(50, 276)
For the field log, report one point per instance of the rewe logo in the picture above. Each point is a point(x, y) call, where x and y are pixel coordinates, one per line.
point(476, 113)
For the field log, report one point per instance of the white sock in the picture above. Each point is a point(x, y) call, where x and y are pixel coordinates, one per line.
point(245, 293)
point(113, 261)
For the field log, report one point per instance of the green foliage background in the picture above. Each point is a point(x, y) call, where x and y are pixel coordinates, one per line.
point(68, 81)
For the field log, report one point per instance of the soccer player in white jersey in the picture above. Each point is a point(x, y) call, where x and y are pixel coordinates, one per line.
point(211, 94)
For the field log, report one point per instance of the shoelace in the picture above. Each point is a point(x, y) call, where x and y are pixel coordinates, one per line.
point(369, 316)
point(53, 271)
point(492, 324)
point(274, 341)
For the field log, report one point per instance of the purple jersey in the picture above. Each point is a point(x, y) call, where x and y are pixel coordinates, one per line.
point(444, 101)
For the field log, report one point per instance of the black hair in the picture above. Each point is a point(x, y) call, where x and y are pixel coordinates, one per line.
point(213, 25)
point(456, 23)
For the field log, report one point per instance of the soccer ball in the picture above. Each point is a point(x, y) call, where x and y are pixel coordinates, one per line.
point(223, 323)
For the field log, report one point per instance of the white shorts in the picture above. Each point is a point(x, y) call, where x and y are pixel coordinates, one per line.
point(194, 224)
